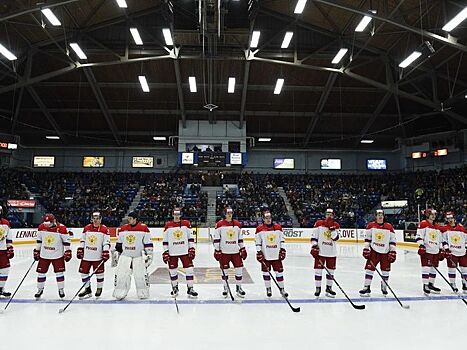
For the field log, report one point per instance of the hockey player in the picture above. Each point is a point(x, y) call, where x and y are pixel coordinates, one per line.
point(454, 244)
point(429, 238)
point(323, 248)
point(53, 247)
point(178, 243)
point(270, 252)
point(6, 252)
point(93, 252)
point(134, 250)
point(380, 248)
point(229, 247)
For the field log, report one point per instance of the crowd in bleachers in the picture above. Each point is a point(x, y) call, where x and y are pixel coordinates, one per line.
point(164, 192)
point(253, 195)
point(73, 196)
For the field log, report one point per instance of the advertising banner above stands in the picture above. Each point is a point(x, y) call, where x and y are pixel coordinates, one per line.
point(28, 235)
point(21, 203)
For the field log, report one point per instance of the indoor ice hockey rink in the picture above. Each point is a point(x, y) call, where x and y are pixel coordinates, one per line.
point(323, 115)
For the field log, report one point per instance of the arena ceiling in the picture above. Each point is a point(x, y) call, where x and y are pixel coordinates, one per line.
point(48, 90)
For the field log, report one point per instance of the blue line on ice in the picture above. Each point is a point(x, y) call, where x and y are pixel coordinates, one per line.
point(228, 301)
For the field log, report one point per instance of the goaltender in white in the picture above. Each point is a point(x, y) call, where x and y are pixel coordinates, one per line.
point(133, 254)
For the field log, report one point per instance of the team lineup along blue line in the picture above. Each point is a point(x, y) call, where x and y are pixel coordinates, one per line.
point(228, 301)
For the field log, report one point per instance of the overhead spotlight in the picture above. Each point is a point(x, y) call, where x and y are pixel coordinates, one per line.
point(231, 86)
point(410, 59)
point(7, 53)
point(255, 38)
point(192, 83)
point(339, 56)
point(287, 38)
point(453, 23)
point(144, 83)
point(77, 49)
point(51, 17)
point(300, 6)
point(264, 139)
point(364, 22)
point(122, 4)
point(136, 37)
point(278, 88)
point(167, 36)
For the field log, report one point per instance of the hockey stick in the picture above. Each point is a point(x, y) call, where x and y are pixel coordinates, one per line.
point(460, 272)
point(227, 283)
point(389, 287)
point(444, 278)
point(173, 290)
point(17, 288)
point(294, 309)
point(82, 286)
point(358, 307)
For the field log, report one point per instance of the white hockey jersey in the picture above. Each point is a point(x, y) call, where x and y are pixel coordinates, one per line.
point(178, 238)
point(135, 239)
point(5, 234)
point(269, 239)
point(94, 240)
point(326, 239)
point(228, 237)
point(430, 236)
point(455, 239)
point(380, 237)
point(52, 241)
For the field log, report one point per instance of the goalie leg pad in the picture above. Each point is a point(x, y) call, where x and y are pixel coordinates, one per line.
point(122, 277)
point(141, 277)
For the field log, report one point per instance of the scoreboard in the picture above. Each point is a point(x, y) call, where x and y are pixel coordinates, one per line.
point(212, 159)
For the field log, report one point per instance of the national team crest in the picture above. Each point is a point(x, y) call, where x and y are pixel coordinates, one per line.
point(92, 240)
point(49, 240)
point(271, 237)
point(379, 236)
point(327, 234)
point(456, 239)
point(433, 235)
point(178, 234)
point(230, 234)
point(130, 239)
point(2, 234)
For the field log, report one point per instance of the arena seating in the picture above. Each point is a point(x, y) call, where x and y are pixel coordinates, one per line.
point(73, 196)
point(255, 194)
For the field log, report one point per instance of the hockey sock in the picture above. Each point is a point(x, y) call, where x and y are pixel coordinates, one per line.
point(425, 274)
point(225, 278)
point(189, 276)
point(41, 280)
point(238, 275)
point(100, 280)
point(280, 279)
point(85, 279)
point(174, 276)
point(267, 279)
point(385, 276)
point(432, 275)
point(60, 277)
point(452, 275)
point(3, 276)
point(368, 277)
point(329, 279)
point(318, 277)
point(464, 275)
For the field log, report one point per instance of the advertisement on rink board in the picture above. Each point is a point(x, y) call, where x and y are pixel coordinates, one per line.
point(28, 235)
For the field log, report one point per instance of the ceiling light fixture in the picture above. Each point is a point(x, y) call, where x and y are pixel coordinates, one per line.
point(51, 17)
point(409, 60)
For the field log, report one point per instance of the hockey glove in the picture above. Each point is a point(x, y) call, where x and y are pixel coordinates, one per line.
point(80, 253)
point(282, 254)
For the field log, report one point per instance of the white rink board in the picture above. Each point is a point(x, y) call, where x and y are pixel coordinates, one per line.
point(28, 235)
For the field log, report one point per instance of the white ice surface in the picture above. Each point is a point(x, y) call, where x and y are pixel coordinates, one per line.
point(213, 322)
